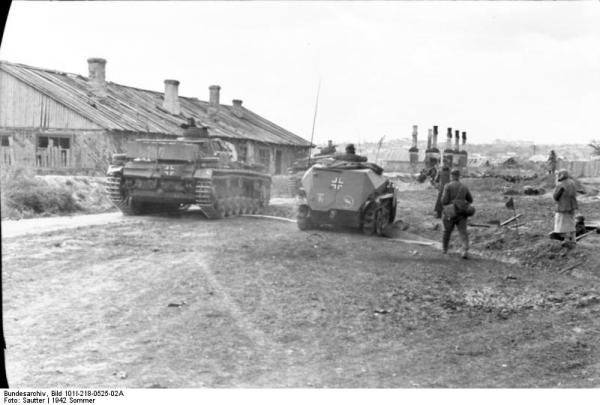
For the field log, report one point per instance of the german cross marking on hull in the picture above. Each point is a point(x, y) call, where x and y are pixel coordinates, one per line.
point(169, 170)
point(337, 183)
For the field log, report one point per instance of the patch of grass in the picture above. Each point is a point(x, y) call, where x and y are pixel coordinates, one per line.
point(24, 195)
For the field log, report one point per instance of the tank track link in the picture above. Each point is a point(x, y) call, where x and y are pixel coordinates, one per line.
point(221, 207)
point(113, 191)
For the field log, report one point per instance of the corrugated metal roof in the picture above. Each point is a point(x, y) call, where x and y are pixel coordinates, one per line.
point(125, 108)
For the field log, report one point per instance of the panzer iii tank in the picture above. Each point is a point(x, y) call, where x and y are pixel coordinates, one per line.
point(172, 174)
point(349, 194)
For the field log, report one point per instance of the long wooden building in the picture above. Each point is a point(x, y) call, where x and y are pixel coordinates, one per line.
point(59, 122)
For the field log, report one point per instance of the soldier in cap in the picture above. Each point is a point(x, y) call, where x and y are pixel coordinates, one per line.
point(350, 155)
point(456, 195)
point(565, 195)
point(442, 178)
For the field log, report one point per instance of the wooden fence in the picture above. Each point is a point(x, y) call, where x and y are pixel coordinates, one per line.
point(583, 168)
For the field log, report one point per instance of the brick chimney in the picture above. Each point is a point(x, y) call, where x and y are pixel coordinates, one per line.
point(449, 139)
point(435, 138)
point(97, 75)
point(214, 95)
point(237, 108)
point(457, 140)
point(463, 153)
point(213, 101)
point(429, 138)
point(413, 152)
point(171, 98)
point(448, 155)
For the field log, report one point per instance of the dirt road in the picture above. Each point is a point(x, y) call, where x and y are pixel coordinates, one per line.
point(179, 301)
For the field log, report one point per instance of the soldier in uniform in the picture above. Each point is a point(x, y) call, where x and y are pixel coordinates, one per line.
point(350, 155)
point(455, 191)
point(443, 178)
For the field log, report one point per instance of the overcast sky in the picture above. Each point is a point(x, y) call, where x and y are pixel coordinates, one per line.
point(516, 71)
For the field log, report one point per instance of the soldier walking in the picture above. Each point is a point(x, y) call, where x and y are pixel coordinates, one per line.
point(455, 198)
point(443, 178)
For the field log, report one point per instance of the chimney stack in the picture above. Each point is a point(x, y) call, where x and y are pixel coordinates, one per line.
point(97, 75)
point(464, 155)
point(435, 137)
point(448, 155)
point(171, 98)
point(214, 95)
point(213, 101)
point(414, 136)
point(413, 152)
point(449, 139)
point(237, 108)
point(457, 140)
point(429, 138)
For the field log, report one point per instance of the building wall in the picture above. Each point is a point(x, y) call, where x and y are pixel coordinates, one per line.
point(255, 152)
point(62, 151)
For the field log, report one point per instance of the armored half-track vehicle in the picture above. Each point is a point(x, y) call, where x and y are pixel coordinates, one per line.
point(172, 174)
point(347, 194)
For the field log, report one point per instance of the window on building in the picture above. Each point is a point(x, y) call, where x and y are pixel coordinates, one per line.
point(53, 151)
point(62, 142)
point(5, 140)
point(264, 157)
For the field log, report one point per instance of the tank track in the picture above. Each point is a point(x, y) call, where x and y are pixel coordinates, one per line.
point(222, 206)
point(113, 192)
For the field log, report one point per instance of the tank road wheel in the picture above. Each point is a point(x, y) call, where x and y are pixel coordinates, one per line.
point(118, 195)
point(382, 218)
point(220, 209)
point(254, 206)
point(229, 207)
point(248, 205)
point(238, 204)
point(243, 206)
point(303, 219)
point(369, 217)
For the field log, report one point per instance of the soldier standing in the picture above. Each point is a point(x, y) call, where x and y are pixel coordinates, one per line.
point(455, 194)
point(443, 178)
point(565, 195)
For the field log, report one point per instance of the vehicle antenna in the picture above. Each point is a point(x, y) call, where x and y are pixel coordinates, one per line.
point(312, 134)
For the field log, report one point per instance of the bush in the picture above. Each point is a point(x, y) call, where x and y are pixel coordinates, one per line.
point(24, 195)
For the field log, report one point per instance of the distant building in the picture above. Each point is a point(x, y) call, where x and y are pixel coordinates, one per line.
point(59, 122)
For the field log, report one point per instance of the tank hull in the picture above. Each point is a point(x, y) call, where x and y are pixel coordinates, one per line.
point(141, 184)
